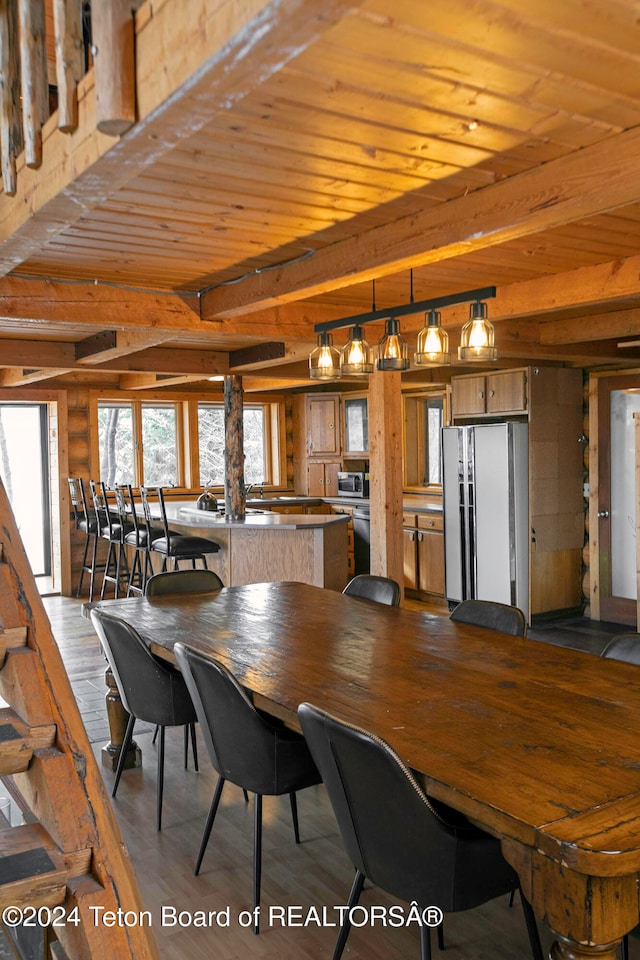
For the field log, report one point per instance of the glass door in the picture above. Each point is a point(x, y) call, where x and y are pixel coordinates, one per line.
point(619, 400)
point(24, 454)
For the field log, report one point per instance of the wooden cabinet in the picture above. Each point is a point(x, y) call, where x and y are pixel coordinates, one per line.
point(491, 394)
point(430, 542)
point(423, 547)
point(340, 508)
point(323, 425)
point(322, 478)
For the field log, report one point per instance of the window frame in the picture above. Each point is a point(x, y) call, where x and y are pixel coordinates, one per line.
point(188, 458)
point(415, 459)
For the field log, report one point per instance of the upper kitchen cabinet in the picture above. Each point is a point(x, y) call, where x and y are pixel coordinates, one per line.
point(492, 394)
point(323, 425)
point(356, 426)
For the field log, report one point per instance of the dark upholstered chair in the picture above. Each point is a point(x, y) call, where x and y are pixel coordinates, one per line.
point(246, 748)
point(170, 545)
point(369, 587)
point(494, 616)
point(183, 581)
point(624, 647)
point(149, 689)
point(396, 837)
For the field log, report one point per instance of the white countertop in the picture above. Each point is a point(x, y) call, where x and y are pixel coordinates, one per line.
point(185, 512)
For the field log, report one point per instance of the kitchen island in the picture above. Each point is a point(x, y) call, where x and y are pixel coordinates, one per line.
point(266, 547)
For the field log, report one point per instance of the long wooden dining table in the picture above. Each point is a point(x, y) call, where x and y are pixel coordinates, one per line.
point(538, 744)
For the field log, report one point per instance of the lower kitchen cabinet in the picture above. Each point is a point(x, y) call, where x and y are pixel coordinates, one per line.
point(423, 542)
point(430, 543)
point(351, 563)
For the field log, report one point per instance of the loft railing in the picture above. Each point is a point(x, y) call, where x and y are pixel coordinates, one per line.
point(77, 36)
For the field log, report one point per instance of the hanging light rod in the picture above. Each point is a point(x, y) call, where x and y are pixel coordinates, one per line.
point(417, 306)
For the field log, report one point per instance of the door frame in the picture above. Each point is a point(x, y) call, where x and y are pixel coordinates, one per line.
point(58, 470)
point(598, 463)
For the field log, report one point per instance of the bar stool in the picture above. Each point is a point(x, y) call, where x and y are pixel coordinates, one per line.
point(116, 568)
point(137, 538)
point(172, 545)
point(84, 519)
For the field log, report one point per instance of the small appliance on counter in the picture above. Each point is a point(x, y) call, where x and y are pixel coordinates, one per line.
point(207, 501)
point(353, 484)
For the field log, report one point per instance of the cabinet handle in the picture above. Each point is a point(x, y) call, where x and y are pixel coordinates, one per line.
point(321, 481)
point(330, 426)
point(328, 481)
point(481, 394)
point(412, 535)
point(431, 523)
point(420, 536)
point(491, 393)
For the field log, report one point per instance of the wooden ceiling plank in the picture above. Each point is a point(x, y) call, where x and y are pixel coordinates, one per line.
point(177, 94)
point(591, 181)
point(151, 381)
point(599, 326)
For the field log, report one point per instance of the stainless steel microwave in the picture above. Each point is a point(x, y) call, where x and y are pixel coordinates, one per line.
point(353, 484)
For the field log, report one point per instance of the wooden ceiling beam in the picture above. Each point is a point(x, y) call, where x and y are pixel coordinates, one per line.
point(594, 180)
point(597, 326)
point(111, 344)
point(191, 65)
point(151, 381)
point(21, 376)
point(264, 356)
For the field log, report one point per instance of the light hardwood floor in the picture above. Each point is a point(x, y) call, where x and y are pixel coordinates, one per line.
point(314, 874)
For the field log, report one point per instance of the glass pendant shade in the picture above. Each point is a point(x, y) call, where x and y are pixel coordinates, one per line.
point(432, 348)
point(324, 360)
point(355, 357)
point(393, 353)
point(477, 339)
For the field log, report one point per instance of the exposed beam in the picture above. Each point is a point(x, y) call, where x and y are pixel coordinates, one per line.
point(110, 344)
point(592, 180)
point(597, 326)
point(208, 63)
point(261, 384)
point(259, 358)
point(151, 381)
point(20, 376)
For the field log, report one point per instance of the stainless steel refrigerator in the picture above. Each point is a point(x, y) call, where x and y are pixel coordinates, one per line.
point(486, 513)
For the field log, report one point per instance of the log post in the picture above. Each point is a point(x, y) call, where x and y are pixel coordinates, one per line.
point(10, 120)
point(35, 85)
point(234, 490)
point(67, 19)
point(114, 66)
point(385, 491)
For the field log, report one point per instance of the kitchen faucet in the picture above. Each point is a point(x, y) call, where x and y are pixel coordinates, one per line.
point(250, 488)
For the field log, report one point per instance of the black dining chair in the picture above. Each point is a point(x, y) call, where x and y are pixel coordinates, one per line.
point(370, 587)
point(398, 838)
point(494, 616)
point(150, 690)
point(171, 545)
point(245, 747)
point(183, 581)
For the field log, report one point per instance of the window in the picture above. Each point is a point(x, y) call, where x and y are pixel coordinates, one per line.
point(115, 441)
point(181, 443)
point(257, 443)
point(138, 443)
point(425, 415)
point(433, 418)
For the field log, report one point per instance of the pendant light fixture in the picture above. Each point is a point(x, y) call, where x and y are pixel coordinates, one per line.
point(432, 348)
point(356, 358)
point(477, 339)
point(393, 353)
point(324, 360)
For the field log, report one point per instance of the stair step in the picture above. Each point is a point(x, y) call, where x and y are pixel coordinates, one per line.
point(10, 639)
point(18, 741)
point(32, 870)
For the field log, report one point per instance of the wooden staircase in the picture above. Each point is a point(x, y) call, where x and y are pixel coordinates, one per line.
point(72, 857)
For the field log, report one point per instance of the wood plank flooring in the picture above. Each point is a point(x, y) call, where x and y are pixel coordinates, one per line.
point(314, 874)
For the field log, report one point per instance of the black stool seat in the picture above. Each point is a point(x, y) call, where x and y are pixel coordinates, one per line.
point(184, 547)
point(138, 537)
